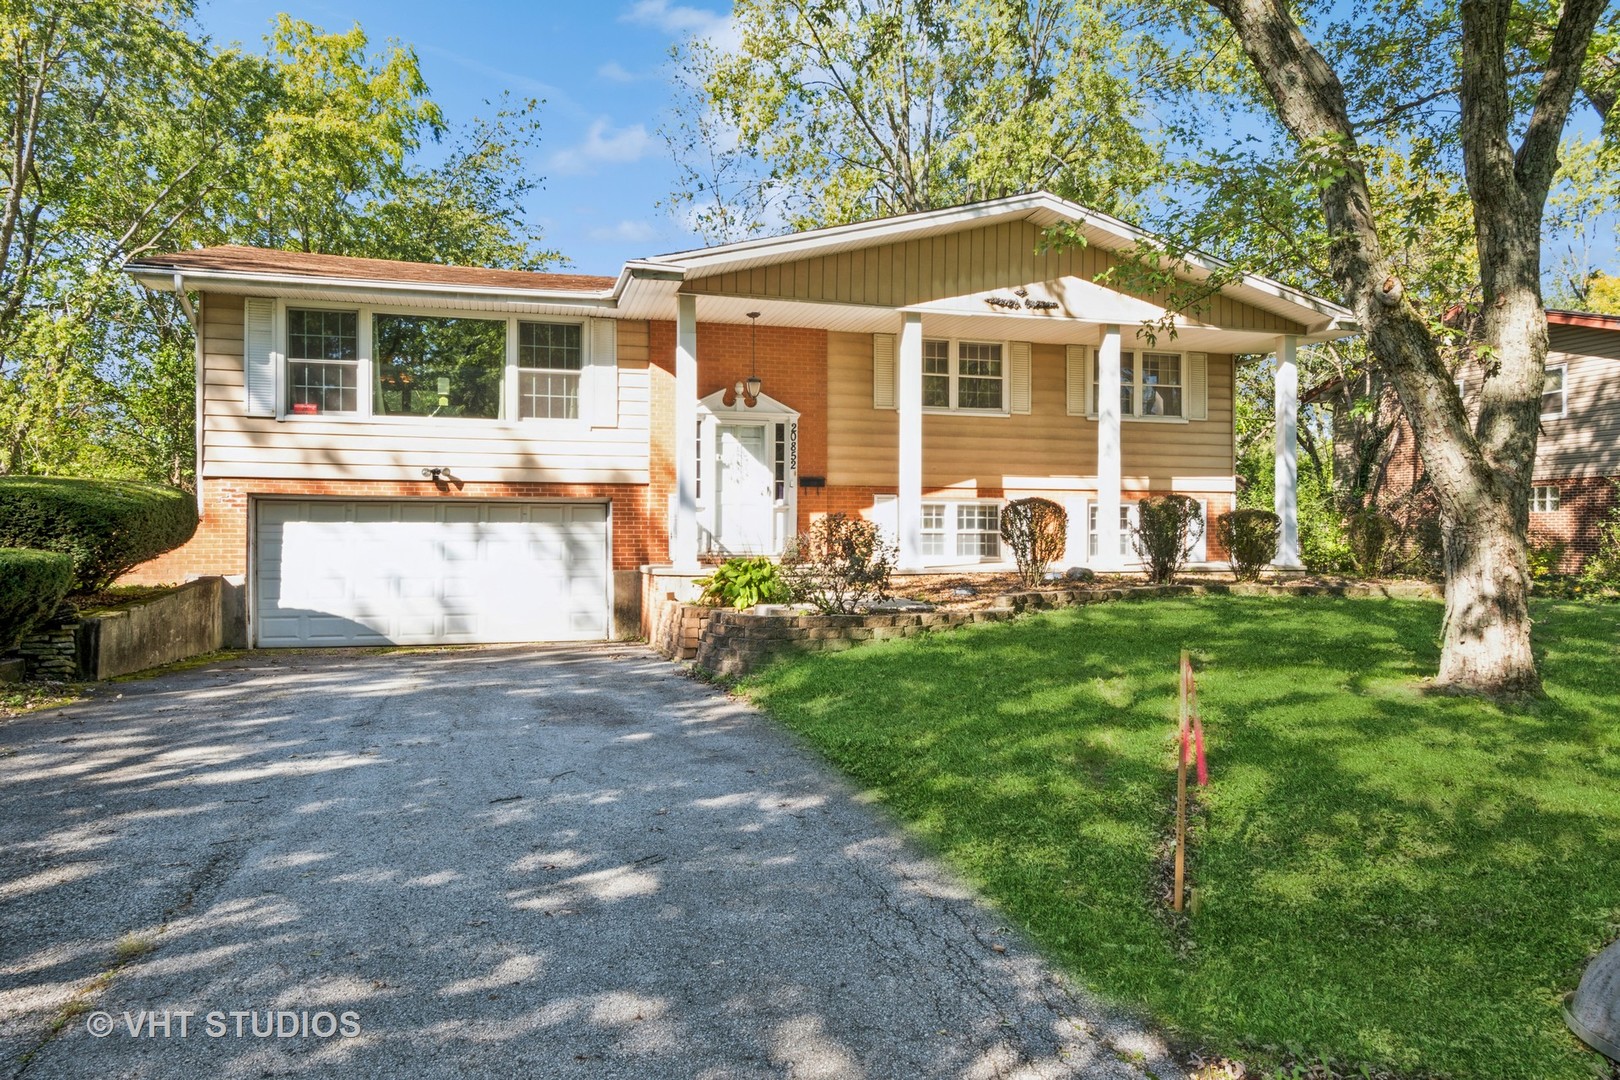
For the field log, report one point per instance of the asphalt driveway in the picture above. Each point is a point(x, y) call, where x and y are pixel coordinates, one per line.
point(548, 862)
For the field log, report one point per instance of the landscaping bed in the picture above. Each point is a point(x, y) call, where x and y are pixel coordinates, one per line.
point(1388, 877)
point(969, 591)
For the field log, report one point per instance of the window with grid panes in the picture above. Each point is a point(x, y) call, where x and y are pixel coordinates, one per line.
point(323, 368)
point(550, 358)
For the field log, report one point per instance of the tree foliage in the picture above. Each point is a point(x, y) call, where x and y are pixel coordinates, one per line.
point(124, 131)
point(831, 111)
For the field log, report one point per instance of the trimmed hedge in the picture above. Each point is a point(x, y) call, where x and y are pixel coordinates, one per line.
point(32, 585)
point(106, 526)
point(1250, 540)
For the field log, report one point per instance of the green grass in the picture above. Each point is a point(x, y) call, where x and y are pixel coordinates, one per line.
point(1389, 877)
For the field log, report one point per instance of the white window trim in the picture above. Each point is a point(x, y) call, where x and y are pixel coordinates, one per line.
point(1535, 499)
point(955, 374)
point(1563, 393)
point(365, 411)
point(951, 531)
point(1136, 382)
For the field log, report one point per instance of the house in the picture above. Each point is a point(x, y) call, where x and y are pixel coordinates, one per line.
point(406, 453)
point(1577, 452)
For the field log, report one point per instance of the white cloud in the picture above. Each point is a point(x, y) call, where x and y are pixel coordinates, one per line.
point(627, 231)
point(613, 71)
point(677, 19)
point(604, 145)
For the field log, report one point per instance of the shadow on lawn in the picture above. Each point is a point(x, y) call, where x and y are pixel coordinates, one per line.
point(1389, 876)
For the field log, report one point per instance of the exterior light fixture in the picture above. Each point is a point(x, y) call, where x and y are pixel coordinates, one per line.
point(753, 385)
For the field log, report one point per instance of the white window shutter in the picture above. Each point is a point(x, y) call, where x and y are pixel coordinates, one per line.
point(883, 373)
point(259, 355)
point(1200, 551)
point(1079, 382)
point(1197, 386)
point(1019, 369)
point(602, 373)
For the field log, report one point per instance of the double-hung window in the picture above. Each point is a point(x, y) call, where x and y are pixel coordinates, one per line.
point(1125, 525)
point(964, 376)
point(961, 531)
point(550, 358)
point(323, 361)
point(1553, 399)
point(1150, 384)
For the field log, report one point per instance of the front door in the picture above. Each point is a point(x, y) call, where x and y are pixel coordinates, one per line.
point(743, 516)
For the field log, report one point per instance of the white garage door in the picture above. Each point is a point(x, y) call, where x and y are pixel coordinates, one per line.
point(429, 572)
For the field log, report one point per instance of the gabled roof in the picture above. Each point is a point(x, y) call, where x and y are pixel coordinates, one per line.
point(1040, 208)
point(232, 260)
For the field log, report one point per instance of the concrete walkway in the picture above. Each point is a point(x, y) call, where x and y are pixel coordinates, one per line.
point(547, 862)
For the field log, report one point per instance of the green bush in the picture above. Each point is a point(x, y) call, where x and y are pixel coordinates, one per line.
point(1250, 540)
point(1601, 574)
point(1037, 531)
point(1371, 534)
point(1545, 555)
point(742, 583)
point(1167, 529)
point(106, 526)
point(32, 585)
point(840, 564)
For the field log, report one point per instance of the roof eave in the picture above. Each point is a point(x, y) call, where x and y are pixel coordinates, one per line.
point(159, 276)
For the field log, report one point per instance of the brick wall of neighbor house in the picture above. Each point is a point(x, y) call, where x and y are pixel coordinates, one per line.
point(1583, 502)
point(220, 545)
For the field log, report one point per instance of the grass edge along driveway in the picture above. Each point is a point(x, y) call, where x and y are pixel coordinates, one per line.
point(1389, 877)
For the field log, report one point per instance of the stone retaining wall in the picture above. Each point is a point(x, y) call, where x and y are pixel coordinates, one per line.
point(734, 643)
point(177, 625)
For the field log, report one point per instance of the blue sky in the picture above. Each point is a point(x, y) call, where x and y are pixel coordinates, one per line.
point(602, 68)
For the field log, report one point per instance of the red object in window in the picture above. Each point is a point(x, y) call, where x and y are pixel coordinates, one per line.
point(306, 408)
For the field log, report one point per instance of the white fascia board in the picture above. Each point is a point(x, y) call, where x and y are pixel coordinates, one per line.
point(159, 278)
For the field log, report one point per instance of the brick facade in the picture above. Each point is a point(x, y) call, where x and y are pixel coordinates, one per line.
point(221, 543)
point(1583, 503)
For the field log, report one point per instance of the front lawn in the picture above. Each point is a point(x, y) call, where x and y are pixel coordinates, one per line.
point(1388, 877)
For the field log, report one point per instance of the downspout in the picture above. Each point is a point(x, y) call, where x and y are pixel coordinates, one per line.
point(197, 408)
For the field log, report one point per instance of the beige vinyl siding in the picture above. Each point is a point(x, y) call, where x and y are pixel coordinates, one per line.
point(237, 445)
point(1586, 442)
point(981, 451)
point(955, 264)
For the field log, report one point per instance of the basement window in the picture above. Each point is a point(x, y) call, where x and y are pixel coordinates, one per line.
point(1544, 498)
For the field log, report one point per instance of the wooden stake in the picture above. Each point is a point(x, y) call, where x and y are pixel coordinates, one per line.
point(1181, 783)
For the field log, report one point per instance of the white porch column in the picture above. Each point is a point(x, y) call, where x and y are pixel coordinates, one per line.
point(1108, 457)
point(1286, 494)
point(683, 526)
point(908, 506)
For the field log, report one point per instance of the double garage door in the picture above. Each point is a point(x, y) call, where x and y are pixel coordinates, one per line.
point(429, 572)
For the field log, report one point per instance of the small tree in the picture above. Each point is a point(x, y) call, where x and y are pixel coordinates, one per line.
point(840, 564)
point(1036, 530)
point(1371, 532)
point(1167, 529)
point(1250, 540)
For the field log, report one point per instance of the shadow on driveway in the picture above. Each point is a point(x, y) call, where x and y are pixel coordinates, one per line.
point(506, 861)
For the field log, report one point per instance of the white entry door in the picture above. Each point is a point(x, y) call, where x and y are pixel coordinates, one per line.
point(743, 516)
point(429, 572)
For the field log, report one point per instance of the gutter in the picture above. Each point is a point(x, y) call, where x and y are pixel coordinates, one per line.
point(147, 274)
point(197, 404)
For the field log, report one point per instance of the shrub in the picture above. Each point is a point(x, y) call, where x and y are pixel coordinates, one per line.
point(1167, 529)
point(1371, 533)
point(1602, 570)
point(840, 564)
point(1250, 540)
point(1037, 531)
point(742, 583)
point(106, 526)
point(32, 585)
point(1544, 556)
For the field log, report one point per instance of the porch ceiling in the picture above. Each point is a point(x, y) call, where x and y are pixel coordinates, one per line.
point(1046, 328)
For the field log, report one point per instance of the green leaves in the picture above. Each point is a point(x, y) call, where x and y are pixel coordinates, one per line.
point(125, 131)
point(830, 112)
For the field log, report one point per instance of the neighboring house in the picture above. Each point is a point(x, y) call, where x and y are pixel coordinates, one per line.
point(1577, 453)
point(394, 452)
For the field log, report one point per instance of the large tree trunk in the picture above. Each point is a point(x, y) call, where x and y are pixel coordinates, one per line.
point(1481, 476)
